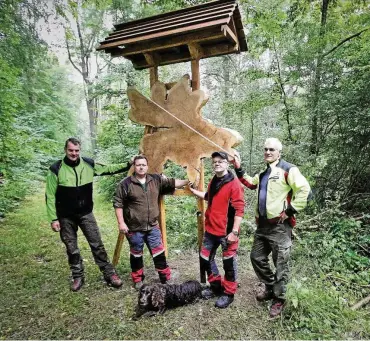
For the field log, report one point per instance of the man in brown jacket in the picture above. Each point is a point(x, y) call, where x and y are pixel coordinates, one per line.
point(137, 211)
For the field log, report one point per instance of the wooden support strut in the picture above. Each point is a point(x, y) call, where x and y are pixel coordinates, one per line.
point(195, 84)
point(153, 73)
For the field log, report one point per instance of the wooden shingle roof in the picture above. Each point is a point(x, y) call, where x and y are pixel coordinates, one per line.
point(210, 29)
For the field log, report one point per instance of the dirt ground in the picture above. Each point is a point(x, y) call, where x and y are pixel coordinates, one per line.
point(244, 319)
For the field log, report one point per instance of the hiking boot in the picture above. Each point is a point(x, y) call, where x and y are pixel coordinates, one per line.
point(207, 293)
point(77, 283)
point(276, 308)
point(224, 301)
point(265, 295)
point(114, 281)
point(138, 285)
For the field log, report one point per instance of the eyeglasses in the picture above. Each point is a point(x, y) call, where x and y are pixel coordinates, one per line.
point(270, 149)
point(219, 162)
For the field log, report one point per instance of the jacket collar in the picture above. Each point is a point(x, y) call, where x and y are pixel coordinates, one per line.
point(135, 179)
point(273, 164)
point(216, 185)
point(70, 163)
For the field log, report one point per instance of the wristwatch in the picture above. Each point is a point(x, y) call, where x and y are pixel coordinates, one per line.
point(235, 232)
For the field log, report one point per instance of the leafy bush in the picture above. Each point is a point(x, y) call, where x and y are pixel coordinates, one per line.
point(316, 311)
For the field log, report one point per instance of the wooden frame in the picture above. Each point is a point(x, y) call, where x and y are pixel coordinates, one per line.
point(190, 34)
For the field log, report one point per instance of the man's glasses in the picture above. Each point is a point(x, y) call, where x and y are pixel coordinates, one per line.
point(270, 149)
point(219, 162)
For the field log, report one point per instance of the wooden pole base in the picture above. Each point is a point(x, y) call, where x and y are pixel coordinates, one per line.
point(117, 251)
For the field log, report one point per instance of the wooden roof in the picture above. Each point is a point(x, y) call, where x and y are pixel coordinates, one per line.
point(207, 30)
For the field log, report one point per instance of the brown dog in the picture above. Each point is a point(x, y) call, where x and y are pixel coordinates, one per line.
point(156, 298)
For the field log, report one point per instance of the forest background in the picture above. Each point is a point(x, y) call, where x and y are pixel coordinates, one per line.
point(305, 80)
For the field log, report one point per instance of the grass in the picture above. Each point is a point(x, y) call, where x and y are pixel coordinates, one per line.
point(36, 302)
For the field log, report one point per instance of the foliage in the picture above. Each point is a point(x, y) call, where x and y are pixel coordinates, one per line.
point(36, 106)
point(304, 80)
point(316, 311)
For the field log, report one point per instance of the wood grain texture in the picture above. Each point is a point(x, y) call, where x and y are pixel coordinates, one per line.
point(175, 141)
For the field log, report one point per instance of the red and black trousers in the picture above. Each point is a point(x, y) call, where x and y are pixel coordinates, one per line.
point(153, 240)
point(211, 243)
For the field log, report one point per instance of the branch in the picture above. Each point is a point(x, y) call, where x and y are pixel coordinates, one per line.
point(359, 304)
point(343, 41)
point(70, 58)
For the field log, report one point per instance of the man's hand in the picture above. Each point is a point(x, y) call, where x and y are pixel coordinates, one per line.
point(283, 217)
point(232, 238)
point(236, 161)
point(122, 228)
point(197, 193)
point(55, 225)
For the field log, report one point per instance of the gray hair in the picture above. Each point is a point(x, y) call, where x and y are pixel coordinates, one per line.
point(276, 142)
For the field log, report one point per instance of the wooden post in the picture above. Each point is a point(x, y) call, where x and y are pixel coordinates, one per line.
point(153, 74)
point(117, 250)
point(195, 84)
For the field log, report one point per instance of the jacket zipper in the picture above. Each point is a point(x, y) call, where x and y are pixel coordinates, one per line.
point(74, 169)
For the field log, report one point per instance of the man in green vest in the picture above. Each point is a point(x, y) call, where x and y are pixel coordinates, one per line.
point(69, 203)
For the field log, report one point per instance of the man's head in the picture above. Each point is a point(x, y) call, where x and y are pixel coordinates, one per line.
point(140, 165)
point(272, 149)
point(220, 163)
point(72, 149)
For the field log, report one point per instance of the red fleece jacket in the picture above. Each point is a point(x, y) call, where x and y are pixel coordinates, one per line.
point(216, 216)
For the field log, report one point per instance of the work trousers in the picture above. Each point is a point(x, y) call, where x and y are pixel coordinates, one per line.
point(210, 244)
point(90, 229)
point(275, 239)
point(153, 240)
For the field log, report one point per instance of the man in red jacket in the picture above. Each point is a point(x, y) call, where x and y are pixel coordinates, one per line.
point(222, 227)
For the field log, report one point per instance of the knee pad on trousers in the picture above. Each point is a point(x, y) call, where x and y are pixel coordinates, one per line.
point(160, 261)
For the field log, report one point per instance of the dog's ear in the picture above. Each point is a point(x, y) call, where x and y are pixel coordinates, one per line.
point(158, 296)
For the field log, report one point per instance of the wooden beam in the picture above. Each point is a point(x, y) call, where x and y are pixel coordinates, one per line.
point(166, 33)
point(153, 59)
point(192, 9)
point(118, 248)
point(162, 222)
point(138, 33)
point(195, 84)
point(153, 75)
point(196, 51)
point(195, 75)
point(175, 19)
point(229, 34)
point(183, 192)
point(208, 35)
point(211, 51)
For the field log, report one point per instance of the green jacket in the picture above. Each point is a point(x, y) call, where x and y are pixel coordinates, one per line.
point(287, 189)
point(69, 186)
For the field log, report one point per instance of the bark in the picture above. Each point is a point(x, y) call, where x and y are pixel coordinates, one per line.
point(283, 95)
point(82, 66)
point(315, 133)
point(361, 303)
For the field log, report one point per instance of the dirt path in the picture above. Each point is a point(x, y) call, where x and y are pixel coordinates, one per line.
point(244, 319)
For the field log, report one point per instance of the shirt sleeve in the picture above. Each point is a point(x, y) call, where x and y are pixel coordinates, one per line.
point(301, 190)
point(237, 199)
point(51, 189)
point(247, 180)
point(119, 196)
point(100, 169)
point(166, 185)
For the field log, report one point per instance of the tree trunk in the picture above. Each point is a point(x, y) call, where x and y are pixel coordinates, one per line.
point(315, 132)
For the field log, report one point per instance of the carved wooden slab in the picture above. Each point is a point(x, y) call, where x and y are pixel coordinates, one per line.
point(175, 141)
